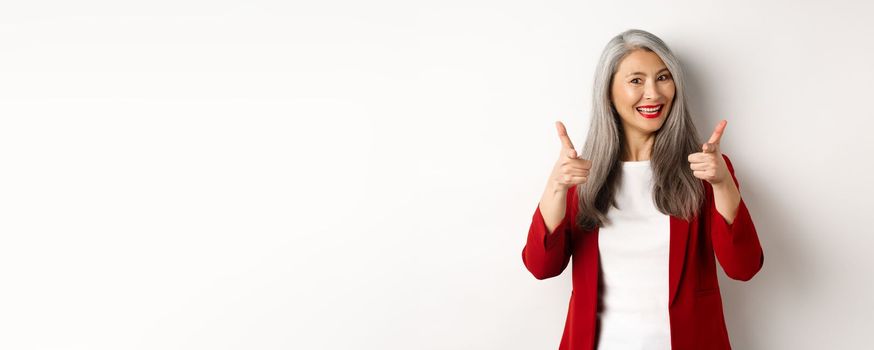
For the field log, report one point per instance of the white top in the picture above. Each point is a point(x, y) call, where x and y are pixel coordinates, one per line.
point(634, 259)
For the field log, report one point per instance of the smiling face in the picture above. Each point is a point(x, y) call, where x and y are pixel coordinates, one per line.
point(642, 92)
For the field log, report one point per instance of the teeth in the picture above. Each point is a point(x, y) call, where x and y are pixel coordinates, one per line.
point(650, 110)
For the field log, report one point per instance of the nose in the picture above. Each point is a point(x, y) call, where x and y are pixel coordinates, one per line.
point(651, 92)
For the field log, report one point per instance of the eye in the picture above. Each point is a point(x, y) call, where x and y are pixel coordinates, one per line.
point(635, 81)
point(665, 76)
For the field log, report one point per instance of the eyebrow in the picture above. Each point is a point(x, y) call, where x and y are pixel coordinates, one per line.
point(641, 73)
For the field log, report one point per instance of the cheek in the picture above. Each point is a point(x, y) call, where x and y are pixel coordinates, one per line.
point(669, 91)
point(625, 97)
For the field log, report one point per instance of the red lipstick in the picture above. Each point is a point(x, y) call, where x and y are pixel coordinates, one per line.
point(650, 115)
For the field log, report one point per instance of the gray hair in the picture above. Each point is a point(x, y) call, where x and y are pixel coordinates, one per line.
point(676, 191)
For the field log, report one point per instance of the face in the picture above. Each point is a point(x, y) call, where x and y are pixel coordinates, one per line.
point(642, 92)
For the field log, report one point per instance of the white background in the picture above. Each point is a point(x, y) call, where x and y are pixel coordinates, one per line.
point(362, 175)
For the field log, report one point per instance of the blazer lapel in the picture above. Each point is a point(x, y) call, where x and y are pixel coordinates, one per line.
point(677, 255)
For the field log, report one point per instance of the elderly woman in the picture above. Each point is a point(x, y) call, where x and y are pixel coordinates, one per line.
point(646, 211)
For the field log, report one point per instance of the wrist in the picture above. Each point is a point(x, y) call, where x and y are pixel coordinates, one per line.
point(727, 185)
point(556, 189)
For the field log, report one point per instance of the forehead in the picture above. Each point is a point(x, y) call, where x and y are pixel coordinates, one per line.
point(642, 61)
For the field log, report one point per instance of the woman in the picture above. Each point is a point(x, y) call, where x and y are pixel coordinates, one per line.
point(660, 209)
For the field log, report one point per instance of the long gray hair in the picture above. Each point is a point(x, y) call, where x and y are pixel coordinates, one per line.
point(675, 190)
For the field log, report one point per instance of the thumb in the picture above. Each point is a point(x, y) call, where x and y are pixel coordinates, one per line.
point(562, 134)
point(709, 148)
point(717, 133)
point(571, 153)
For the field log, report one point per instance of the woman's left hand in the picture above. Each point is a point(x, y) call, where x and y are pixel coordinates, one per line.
point(708, 165)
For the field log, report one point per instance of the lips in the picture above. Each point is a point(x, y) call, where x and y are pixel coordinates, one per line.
point(650, 111)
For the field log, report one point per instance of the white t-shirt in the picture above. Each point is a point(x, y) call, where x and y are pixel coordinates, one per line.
point(634, 259)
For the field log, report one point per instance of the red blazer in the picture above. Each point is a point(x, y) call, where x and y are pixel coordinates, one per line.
point(694, 305)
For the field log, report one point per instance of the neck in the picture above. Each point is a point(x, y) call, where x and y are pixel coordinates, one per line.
point(638, 147)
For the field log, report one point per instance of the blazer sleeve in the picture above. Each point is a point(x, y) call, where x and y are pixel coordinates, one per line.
point(547, 254)
point(736, 245)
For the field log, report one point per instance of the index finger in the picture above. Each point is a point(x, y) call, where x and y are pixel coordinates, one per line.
point(562, 134)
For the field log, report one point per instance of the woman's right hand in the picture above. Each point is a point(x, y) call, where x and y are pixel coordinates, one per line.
point(569, 170)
